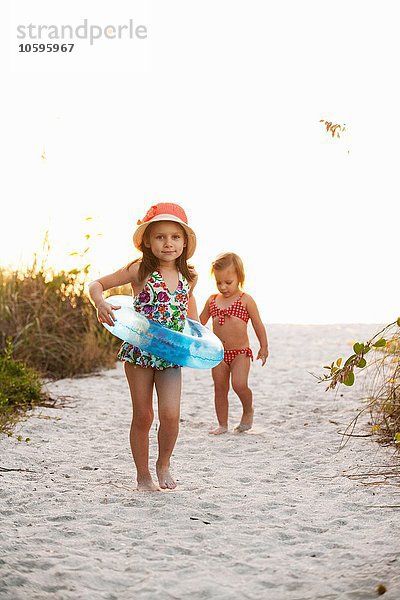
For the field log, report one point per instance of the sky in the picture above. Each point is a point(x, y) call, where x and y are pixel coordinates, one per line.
point(219, 110)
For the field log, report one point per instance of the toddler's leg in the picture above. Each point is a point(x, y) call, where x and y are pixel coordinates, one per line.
point(140, 382)
point(240, 373)
point(168, 385)
point(220, 375)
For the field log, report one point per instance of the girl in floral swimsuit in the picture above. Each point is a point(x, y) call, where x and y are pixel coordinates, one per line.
point(230, 311)
point(162, 284)
point(157, 303)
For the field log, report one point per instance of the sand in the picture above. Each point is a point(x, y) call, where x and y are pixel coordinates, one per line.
point(277, 513)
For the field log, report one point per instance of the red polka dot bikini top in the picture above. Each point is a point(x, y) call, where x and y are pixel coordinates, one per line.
point(234, 310)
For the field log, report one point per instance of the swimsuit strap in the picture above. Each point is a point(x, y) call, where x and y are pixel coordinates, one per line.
point(181, 280)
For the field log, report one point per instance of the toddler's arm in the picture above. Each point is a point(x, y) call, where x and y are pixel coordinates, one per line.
point(259, 329)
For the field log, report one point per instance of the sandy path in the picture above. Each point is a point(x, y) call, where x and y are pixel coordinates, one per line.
point(269, 514)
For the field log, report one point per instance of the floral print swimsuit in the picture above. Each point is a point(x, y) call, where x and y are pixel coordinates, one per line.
point(157, 303)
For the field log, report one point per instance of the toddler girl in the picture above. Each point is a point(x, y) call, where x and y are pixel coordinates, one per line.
point(230, 311)
point(162, 284)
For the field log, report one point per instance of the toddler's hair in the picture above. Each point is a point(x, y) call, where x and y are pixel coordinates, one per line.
point(227, 259)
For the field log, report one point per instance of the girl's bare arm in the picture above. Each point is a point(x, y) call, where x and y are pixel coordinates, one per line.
point(192, 306)
point(98, 286)
point(192, 309)
point(205, 313)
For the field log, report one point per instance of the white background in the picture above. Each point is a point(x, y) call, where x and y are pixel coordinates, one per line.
point(219, 113)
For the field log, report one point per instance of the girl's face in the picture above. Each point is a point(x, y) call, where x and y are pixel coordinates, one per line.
point(166, 240)
point(227, 281)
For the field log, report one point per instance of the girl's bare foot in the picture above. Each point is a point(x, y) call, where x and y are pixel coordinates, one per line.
point(246, 422)
point(147, 485)
point(220, 429)
point(165, 479)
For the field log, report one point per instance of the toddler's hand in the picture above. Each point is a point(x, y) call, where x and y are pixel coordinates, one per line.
point(262, 355)
point(105, 312)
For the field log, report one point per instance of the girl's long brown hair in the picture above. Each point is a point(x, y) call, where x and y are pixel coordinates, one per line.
point(149, 263)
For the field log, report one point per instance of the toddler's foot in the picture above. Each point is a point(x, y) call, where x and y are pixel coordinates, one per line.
point(246, 422)
point(165, 479)
point(220, 429)
point(147, 485)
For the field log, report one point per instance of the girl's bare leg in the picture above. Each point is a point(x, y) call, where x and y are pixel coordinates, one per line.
point(168, 385)
point(240, 367)
point(220, 375)
point(141, 382)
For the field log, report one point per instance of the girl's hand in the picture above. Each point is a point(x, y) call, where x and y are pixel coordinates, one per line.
point(263, 355)
point(105, 312)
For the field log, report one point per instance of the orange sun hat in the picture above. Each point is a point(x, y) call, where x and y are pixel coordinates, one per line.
point(165, 211)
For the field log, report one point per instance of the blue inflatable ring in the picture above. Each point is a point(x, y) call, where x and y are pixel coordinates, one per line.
point(195, 347)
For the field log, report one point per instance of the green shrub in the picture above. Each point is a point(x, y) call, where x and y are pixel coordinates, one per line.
point(20, 386)
point(20, 389)
point(382, 390)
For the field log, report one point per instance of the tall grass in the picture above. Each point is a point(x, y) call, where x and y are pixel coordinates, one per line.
point(383, 392)
point(50, 322)
point(48, 329)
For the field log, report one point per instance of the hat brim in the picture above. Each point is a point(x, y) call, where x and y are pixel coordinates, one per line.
point(191, 236)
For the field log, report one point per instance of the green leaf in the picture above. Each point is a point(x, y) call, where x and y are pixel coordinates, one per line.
point(358, 348)
point(398, 322)
point(349, 379)
point(348, 361)
point(366, 349)
point(327, 367)
point(380, 343)
point(339, 362)
point(73, 253)
point(397, 437)
point(361, 363)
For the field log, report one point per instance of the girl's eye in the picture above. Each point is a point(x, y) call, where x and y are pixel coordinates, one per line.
point(228, 282)
point(177, 237)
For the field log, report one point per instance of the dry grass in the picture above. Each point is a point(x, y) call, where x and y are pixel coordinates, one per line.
point(51, 323)
point(383, 393)
point(48, 328)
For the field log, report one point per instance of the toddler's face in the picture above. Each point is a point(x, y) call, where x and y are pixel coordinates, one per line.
point(166, 240)
point(227, 281)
